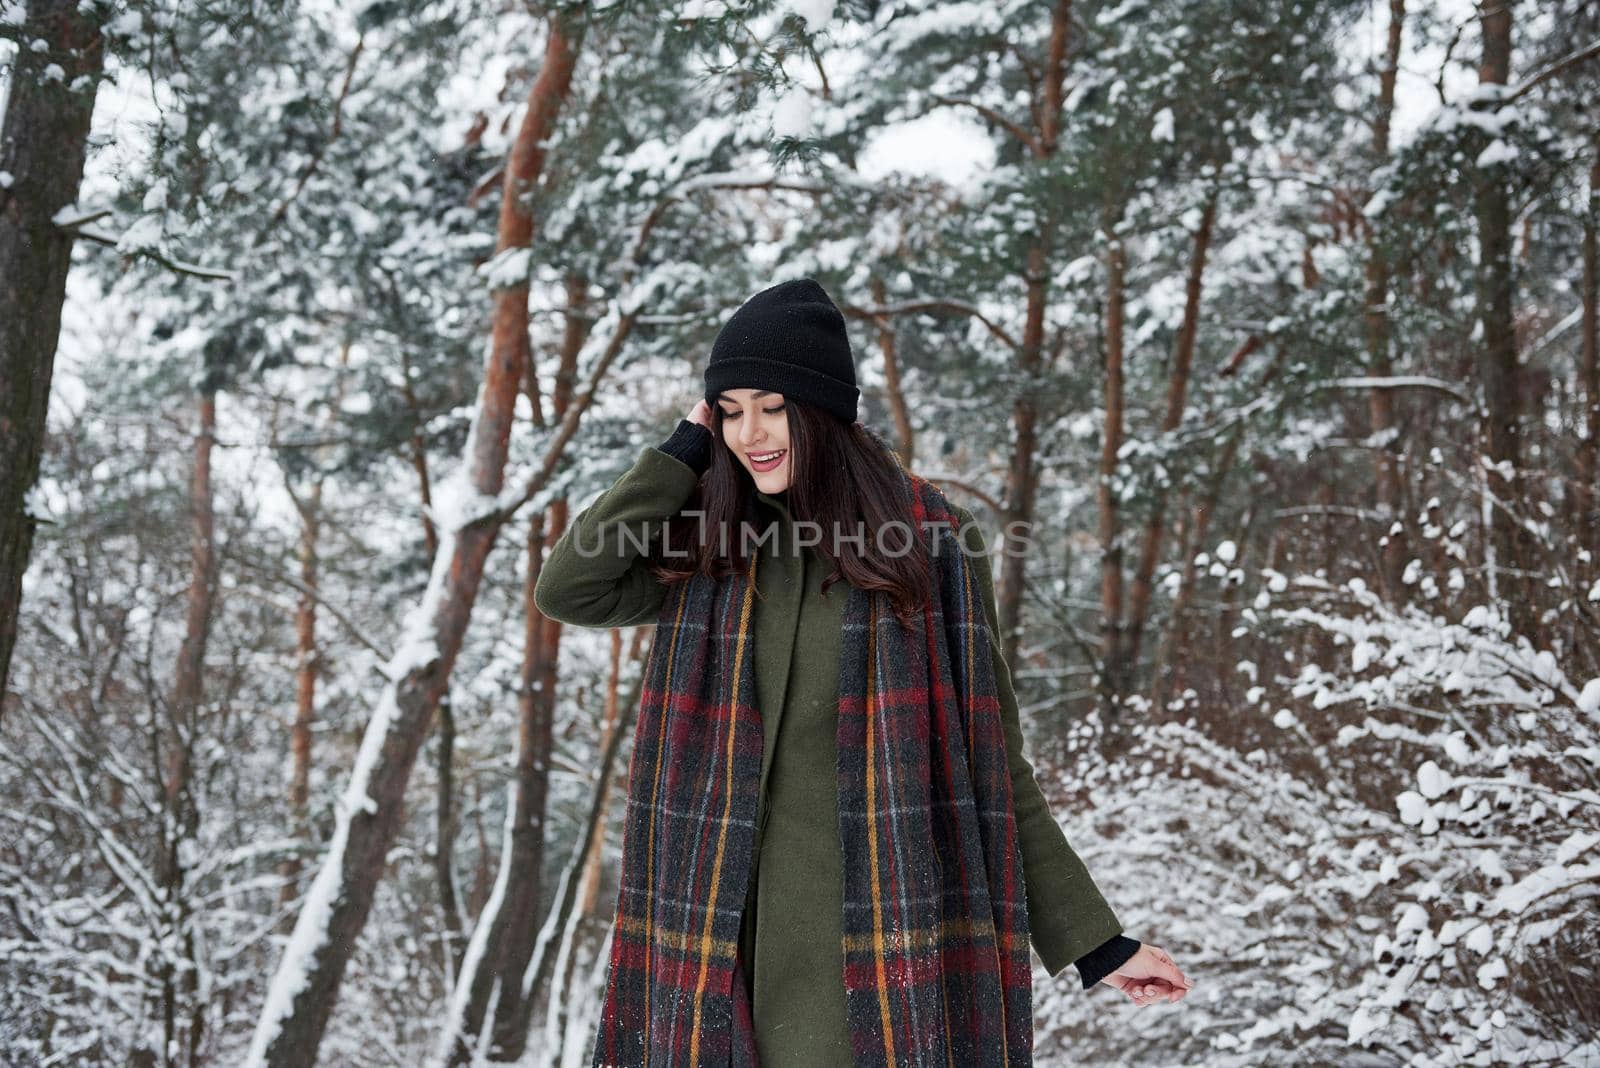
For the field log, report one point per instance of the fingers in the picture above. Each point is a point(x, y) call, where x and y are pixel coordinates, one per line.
point(1162, 980)
point(1166, 968)
point(1149, 991)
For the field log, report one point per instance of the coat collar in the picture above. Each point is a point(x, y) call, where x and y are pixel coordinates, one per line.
point(780, 502)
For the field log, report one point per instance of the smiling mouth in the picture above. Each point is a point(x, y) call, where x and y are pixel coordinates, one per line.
point(766, 461)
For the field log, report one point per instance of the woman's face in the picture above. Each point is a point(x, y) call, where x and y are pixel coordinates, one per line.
point(754, 427)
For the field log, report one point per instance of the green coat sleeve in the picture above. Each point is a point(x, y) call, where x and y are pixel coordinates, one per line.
point(596, 574)
point(1067, 914)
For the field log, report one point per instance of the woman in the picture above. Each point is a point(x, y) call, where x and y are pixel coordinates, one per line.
point(768, 909)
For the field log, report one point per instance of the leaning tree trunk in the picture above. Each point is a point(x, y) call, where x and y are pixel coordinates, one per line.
point(524, 901)
point(1177, 395)
point(493, 978)
point(306, 984)
point(179, 975)
point(572, 893)
point(444, 839)
point(894, 392)
point(43, 144)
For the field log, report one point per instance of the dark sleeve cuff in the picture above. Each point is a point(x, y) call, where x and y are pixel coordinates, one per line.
point(1106, 958)
point(691, 443)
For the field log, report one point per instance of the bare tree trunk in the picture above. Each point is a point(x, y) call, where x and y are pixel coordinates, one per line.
point(1498, 373)
point(444, 850)
point(43, 143)
point(419, 461)
point(307, 660)
point(532, 980)
point(1228, 607)
point(444, 844)
point(306, 984)
point(495, 982)
point(189, 676)
point(305, 703)
point(595, 865)
point(1177, 394)
point(1380, 402)
point(483, 874)
point(1173, 648)
point(1022, 479)
point(1170, 649)
point(541, 968)
point(1588, 489)
point(525, 901)
point(1310, 277)
point(895, 394)
point(1114, 680)
point(183, 817)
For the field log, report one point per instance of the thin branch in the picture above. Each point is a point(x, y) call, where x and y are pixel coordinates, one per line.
point(322, 149)
point(277, 575)
point(995, 117)
point(962, 484)
point(935, 304)
point(628, 302)
point(1438, 385)
point(1560, 66)
point(191, 269)
point(1341, 510)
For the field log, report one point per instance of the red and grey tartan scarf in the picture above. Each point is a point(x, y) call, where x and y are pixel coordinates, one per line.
point(936, 964)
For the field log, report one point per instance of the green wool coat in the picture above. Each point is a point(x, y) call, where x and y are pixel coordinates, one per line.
point(791, 935)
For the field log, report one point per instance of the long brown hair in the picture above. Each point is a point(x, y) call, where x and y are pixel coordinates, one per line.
point(846, 479)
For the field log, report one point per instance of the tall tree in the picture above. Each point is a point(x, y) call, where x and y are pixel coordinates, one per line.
point(179, 793)
point(44, 140)
point(1380, 402)
point(1499, 376)
point(306, 985)
point(492, 978)
point(1588, 488)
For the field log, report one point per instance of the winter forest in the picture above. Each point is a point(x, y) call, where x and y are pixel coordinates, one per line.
point(1275, 321)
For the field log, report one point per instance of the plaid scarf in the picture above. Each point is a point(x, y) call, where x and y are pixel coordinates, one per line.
point(936, 965)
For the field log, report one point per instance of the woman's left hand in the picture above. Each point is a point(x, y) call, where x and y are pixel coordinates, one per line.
point(1150, 976)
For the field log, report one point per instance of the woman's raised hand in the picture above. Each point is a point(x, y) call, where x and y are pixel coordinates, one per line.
point(1150, 976)
point(701, 413)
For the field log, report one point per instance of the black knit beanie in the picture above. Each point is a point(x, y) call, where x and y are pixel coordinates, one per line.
point(790, 338)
